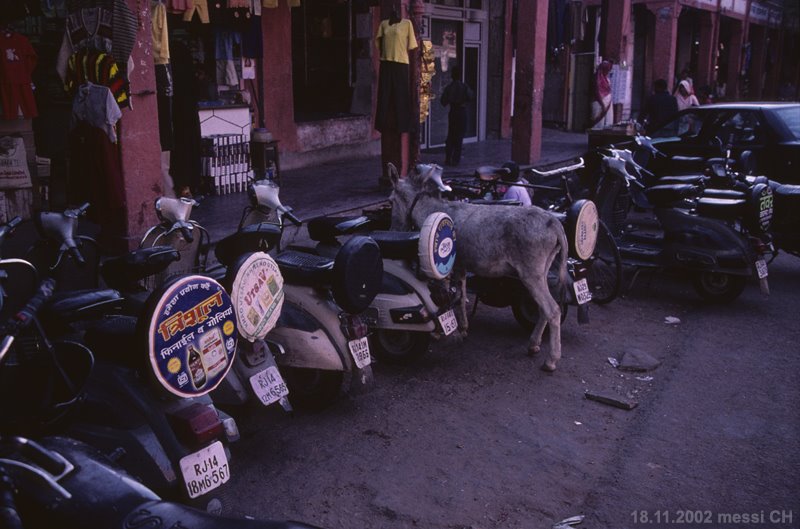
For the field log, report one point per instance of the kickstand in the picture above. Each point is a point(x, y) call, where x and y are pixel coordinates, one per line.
point(475, 307)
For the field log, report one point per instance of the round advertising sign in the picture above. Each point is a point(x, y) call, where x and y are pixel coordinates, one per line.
point(583, 228)
point(257, 295)
point(192, 336)
point(437, 245)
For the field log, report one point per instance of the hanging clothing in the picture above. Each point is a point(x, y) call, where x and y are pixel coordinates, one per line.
point(95, 105)
point(54, 8)
point(178, 6)
point(252, 40)
point(87, 28)
point(98, 68)
point(395, 40)
point(201, 6)
point(158, 25)
point(17, 62)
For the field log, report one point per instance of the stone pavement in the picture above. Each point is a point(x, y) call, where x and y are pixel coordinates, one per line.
point(353, 184)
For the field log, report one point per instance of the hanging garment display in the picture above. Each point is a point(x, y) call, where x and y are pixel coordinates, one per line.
point(95, 105)
point(98, 68)
point(124, 22)
point(164, 102)
point(87, 28)
point(224, 42)
point(201, 6)
point(17, 61)
point(160, 33)
point(394, 41)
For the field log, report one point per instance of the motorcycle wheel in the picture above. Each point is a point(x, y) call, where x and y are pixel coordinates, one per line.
point(400, 347)
point(605, 272)
point(312, 389)
point(716, 287)
point(527, 313)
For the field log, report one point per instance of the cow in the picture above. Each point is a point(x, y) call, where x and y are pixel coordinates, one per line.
point(493, 242)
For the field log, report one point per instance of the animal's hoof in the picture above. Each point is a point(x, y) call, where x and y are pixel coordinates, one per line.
point(547, 367)
point(535, 350)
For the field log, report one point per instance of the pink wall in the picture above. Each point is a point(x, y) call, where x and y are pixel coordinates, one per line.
point(141, 150)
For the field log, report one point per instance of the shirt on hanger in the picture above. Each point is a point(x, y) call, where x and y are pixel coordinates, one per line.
point(17, 61)
point(394, 40)
point(95, 105)
point(158, 25)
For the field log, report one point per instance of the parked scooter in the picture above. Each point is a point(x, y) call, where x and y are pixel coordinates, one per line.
point(721, 241)
point(414, 300)
point(158, 434)
point(580, 220)
point(61, 482)
point(323, 324)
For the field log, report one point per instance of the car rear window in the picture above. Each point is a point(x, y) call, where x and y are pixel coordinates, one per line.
point(791, 117)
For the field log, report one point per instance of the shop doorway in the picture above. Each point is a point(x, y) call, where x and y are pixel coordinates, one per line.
point(455, 42)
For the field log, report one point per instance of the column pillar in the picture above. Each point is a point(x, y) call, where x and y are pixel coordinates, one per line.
point(665, 37)
point(508, 59)
point(735, 47)
point(773, 80)
point(526, 140)
point(278, 96)
point(616, 16)
point(140, 149)
point(706, 53)
point(758, 59)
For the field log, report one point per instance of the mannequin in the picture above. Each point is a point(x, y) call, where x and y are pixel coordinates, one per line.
point(393, 118)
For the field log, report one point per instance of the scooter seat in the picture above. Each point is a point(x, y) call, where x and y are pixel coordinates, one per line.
point(124, 272)
point(681, 179)
point(721, 208)
point(397, 244)
point(663, 195)
point(688, 159)
point(302, 268)
point(76, 305)
point(499, 202)
point(328, 228)
point(115, 339)
point(259, 237)
point(724, 193)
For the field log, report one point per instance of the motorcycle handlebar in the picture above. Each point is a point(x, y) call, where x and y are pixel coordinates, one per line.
point(291, 216)
point(45, 292)
point(77, 255)
point(187, 234)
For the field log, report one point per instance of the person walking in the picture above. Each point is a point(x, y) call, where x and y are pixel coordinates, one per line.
point(659, 108)
point(456, 94)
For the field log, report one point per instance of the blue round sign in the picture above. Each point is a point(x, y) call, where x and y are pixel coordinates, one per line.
point(437, 245)
point(192, 336)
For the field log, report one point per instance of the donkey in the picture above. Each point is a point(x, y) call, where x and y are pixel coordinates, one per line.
point(493, 242)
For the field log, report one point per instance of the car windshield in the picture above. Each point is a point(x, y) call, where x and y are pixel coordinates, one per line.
point(684, 125)
point(791, 118)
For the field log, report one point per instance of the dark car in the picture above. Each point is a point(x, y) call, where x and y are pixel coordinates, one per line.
point(771, 131)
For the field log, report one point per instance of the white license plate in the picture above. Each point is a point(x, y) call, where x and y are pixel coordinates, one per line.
point(269, 385)
point(761, 268)
point(360, 351)
point(582, 292)
point(205, 470)
point(448, 322)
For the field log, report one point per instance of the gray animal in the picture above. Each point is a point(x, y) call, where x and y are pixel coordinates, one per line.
point(493, 242)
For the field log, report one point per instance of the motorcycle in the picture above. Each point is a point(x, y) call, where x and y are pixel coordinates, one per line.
point(414, 299)
point(58, 481)
point(717, 236)
point(320, 341)
point(161, 431)
point(579, 217)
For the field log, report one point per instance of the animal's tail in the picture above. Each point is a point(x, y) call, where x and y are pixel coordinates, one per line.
point(563, 275)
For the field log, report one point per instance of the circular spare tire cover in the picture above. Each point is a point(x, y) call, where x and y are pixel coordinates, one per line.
point(437, 246)
point(191, 335)
point(357, 274)
point(760, 207)
point(257, 294)
point(582, 226)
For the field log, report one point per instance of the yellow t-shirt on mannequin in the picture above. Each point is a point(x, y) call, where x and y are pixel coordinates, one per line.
point(394, 40)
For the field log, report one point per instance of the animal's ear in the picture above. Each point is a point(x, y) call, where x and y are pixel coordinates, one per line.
point(394, 174)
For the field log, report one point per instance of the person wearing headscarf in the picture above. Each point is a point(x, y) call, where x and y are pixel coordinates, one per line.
point(601, 104)
point(685, 96)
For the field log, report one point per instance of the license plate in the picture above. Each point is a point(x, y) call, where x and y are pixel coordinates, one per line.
point(269, 385)
point(761, 268)
point(582, 292)
point(448, 322)
point(205, 470)
point(360, 351)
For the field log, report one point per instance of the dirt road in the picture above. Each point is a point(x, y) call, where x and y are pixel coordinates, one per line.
point(476, 436)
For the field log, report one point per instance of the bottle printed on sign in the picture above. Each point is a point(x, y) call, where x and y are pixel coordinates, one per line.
point(196, 368)
point(215, 357)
